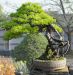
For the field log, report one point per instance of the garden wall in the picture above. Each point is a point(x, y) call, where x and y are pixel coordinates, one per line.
point(8, 45)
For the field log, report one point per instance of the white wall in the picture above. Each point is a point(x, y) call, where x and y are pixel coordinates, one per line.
point(3, 43)
point(14, 42)
point(8, 45)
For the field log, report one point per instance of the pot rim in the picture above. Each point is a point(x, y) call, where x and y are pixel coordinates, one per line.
point(39, 60)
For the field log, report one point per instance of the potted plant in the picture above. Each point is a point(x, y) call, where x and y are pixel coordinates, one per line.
point(31, 18)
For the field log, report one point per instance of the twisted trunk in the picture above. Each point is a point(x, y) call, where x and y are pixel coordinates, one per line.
point(49, 46)
point(69, 38)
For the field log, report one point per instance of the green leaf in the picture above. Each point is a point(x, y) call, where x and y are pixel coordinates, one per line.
point(58, 28)
point(27, 19)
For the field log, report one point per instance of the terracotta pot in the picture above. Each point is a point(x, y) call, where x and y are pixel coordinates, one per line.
point(49, 64)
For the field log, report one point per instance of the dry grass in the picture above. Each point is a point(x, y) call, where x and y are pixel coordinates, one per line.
point(6, 66)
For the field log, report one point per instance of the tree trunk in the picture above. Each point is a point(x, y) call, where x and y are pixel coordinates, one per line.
point(69, 39)
point(49, 46)
point(44, 55)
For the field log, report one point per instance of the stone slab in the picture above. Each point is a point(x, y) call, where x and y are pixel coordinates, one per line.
point(63, 71)
point(71, 70)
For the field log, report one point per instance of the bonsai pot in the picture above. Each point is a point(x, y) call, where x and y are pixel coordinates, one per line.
point(47, 65)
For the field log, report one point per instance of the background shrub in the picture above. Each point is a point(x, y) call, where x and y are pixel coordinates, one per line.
point(21, 67)
point(30, 48)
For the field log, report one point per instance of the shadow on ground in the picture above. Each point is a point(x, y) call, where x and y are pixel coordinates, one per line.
point(71, 70)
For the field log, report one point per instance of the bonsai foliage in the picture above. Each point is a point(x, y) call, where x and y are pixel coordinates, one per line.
point(29, 18)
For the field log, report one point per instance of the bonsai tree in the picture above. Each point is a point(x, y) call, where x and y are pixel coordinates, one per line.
point(31, 18)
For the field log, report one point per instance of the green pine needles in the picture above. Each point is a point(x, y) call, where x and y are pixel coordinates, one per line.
point(27, 19)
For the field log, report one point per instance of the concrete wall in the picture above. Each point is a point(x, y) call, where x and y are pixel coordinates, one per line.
point(14, 42)
point(3, 43)
point(8, 45)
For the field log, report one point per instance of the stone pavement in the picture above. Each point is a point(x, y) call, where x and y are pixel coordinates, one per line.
point(70, 65)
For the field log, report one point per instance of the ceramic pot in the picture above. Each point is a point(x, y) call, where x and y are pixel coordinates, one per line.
point(49, 64)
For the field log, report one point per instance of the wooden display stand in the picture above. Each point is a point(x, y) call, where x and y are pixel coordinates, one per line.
point(63, 71)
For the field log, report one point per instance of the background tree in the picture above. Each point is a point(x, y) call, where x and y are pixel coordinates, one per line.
point(1, 10)
point(63, 14)
point(3, 17)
